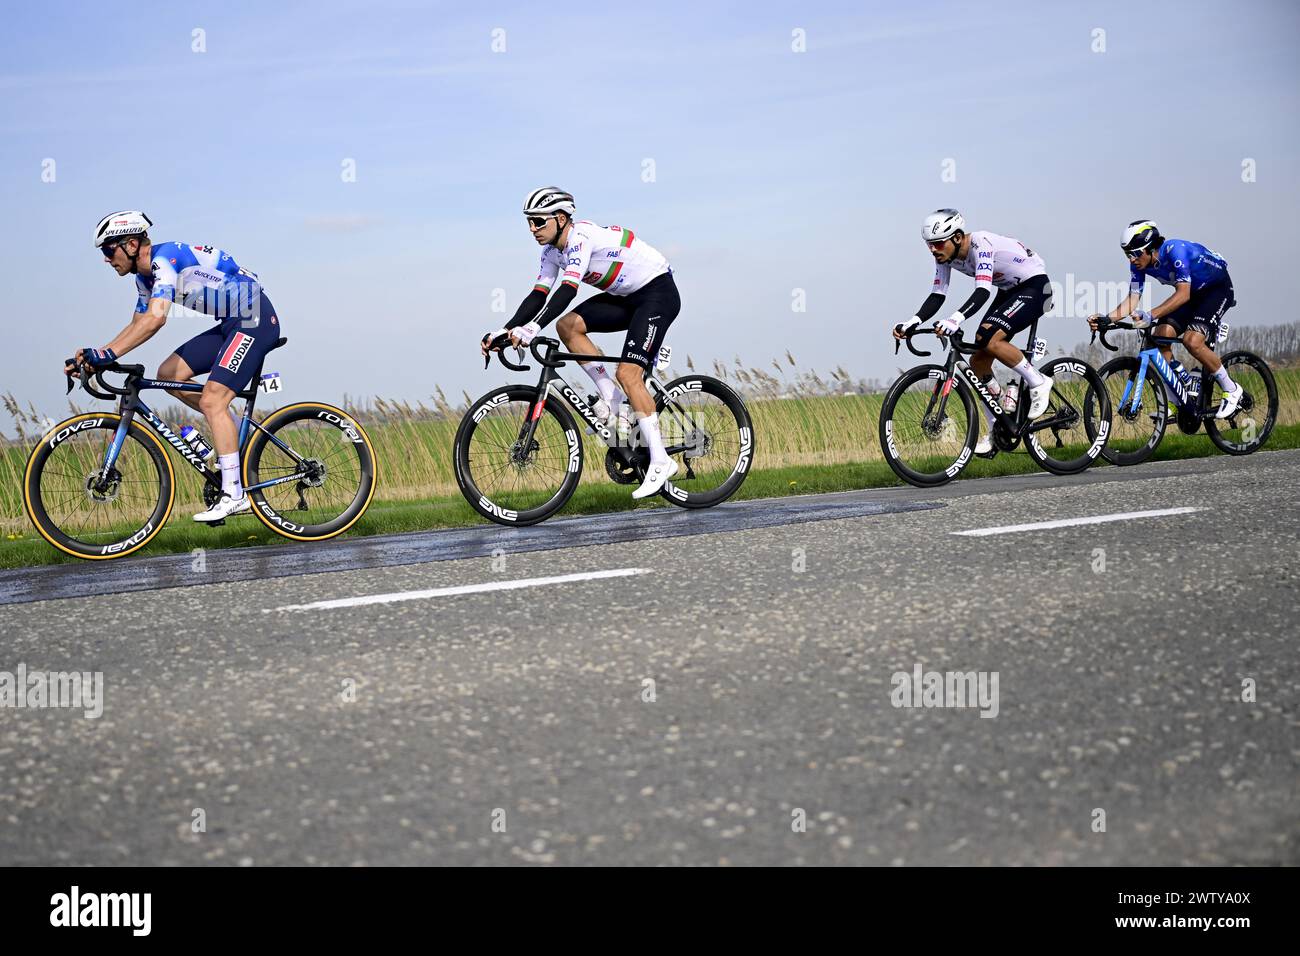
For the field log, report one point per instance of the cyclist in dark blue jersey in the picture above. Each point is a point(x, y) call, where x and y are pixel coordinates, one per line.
point(208, 280)
point(1202, 294)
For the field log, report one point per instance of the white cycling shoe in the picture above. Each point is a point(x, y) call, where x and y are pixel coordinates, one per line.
point(984, 446)
point(1230, 402)
point(224, 508)
point(1040, 396)
point(656, 475)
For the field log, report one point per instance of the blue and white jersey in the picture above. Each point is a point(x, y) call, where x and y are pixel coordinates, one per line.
point(1181, 261)
point(202, 278)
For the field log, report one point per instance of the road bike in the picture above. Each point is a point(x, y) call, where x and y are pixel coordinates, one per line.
point(930, 423)
point(100, 485)
point(1142, 401)
point(519, 453)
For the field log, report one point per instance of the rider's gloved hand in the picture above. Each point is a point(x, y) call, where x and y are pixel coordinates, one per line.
point(902, 328)
point(1141, 318)
point(525, 333)
point(950, 324)
point(1094, 321)
point(486, 344)
point(97, 358)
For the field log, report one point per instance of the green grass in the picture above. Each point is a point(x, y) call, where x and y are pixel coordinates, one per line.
point(595, 495)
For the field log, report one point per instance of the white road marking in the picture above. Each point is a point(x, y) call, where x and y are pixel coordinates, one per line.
point(462, 589)
point(1071, 522)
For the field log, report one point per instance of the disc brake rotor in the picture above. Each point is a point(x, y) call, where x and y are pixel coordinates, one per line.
point(101, 489)
point(314, 473)
point(521, 459)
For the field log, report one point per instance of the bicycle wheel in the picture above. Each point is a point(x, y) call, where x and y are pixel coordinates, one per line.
point(926, 435)
point(323, 466)
point(706, 427)
point(1074, 428)
point(1137, 427)
point(1249, 428)
point(505, 481)
point(88, 513)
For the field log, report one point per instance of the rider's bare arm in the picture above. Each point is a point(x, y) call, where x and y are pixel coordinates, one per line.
point(1182, 292)
point(1126, 307)
point(142, 327)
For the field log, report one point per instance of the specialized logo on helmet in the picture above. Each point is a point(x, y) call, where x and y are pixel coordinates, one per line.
point(128, 222)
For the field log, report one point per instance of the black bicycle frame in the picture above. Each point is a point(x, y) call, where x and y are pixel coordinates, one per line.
point(1015, 425)
point(551, 362)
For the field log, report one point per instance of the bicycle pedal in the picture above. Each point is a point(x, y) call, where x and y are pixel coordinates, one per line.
point(987, 454)
point(215, 524)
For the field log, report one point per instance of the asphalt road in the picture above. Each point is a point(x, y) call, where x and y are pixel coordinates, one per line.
point(518, 725)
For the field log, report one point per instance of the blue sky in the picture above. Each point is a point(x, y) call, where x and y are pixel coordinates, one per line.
point(774, 170)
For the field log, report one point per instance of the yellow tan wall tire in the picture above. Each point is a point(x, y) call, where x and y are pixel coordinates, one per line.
point(301, 411)
point(107, 421)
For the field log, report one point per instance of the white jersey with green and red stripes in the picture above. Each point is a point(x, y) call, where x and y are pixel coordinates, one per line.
point(611, 258)
point(997, 260)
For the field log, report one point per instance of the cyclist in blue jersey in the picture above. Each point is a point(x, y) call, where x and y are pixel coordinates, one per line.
point(206, 280)
point(1202, 294)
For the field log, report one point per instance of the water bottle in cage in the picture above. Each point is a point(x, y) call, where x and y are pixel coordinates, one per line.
point(190, 435)
point(1184, 376)
point(1011, 397)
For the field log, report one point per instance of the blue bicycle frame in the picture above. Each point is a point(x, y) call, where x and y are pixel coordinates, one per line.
point(131, 406)
point(1152, 357)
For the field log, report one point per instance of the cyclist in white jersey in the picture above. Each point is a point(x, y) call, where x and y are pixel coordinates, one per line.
point(1024, 294)
point(638, 295)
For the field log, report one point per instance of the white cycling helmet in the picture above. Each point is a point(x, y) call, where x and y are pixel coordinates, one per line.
point(1139, 235)
point(942, 224)
point(118, 225)
point(547, 201)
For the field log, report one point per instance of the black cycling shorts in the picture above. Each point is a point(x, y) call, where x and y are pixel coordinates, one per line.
point(1015, 309)
point(1203, 311)
point(645, 314)
point(231, 350)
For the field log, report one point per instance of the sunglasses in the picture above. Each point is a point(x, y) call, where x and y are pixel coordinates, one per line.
point(538, 221)
point(1134, 256)
point(937, 244)
point(108, 248)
